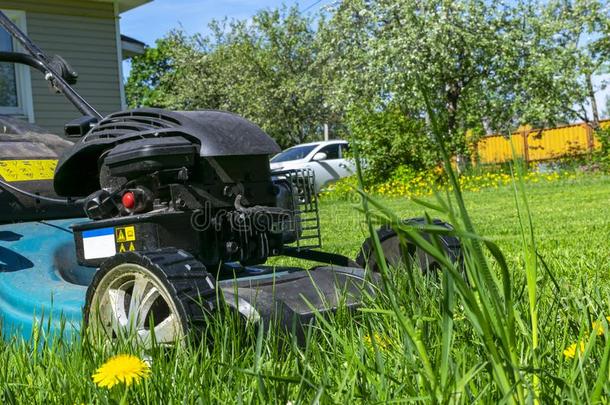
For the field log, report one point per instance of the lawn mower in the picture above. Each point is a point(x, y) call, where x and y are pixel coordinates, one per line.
point(142, 222)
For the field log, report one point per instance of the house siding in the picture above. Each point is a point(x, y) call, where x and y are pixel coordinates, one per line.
point(78, 8)
point(84, 34)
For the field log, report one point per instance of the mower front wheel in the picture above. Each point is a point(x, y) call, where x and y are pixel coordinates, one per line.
point(153, 297)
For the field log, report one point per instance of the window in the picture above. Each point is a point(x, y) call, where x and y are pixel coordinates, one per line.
point(294, 153)
point(15, 84)
point(332, 151)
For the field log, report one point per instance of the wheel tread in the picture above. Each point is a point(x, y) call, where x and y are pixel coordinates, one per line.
point(452, 245)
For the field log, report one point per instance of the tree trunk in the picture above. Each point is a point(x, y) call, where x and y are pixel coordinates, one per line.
point(595, 124)
point(453, 97)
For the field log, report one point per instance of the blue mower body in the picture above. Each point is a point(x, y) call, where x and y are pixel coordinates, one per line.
point(40, 281)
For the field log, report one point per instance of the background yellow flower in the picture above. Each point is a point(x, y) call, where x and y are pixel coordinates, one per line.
point(570, 351)
point(598, 328)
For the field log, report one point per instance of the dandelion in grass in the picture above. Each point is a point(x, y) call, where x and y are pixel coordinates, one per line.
point(381, 341)
point(598, 328)
point(570, 351)
point(123, 368)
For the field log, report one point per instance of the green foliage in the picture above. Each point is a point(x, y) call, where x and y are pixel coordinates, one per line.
point(389, 139)
point(603, 134)
point(570, 47)
point(488, 66)
point(270, 72)
point(601, 158)
point(151, 73)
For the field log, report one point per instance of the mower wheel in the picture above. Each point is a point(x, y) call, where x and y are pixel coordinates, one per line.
point(396, 254)
point(154, 297)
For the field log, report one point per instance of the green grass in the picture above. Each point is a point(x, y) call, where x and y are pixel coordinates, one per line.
point(570, 217)
point(373, 356)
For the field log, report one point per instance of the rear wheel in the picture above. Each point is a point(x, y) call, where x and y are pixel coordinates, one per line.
point(396, 253)
point(151, 297)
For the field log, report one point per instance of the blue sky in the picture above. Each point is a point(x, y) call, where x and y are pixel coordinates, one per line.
point(155, 19)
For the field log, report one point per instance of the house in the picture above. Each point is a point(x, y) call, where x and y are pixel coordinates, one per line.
point(87, 34)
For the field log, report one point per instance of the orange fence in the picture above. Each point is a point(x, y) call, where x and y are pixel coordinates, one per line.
point(536, 144)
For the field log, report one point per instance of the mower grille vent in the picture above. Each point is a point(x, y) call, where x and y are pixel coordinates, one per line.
point(124, 123)
point(307, 212)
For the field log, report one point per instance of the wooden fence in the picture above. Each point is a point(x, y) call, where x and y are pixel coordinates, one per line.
point(537, 145)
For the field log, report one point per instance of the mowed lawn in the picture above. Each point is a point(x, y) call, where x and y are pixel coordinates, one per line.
point(571, 220)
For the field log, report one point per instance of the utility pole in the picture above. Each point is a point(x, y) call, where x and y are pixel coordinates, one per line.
point(326, 137)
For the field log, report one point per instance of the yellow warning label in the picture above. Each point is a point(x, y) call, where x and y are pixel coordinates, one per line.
point(123, 247)
point(27, 170)
point(125, 234)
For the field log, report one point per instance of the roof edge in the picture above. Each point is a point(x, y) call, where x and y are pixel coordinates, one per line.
point(126, 5)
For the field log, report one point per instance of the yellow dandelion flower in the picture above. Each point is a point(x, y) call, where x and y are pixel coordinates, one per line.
point(598, 328)
point(570, 351)
point(123, 368)
point(381, 341)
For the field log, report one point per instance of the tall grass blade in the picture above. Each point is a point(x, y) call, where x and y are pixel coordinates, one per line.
point(531, 263)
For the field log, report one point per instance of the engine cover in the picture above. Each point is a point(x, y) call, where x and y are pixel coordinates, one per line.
point(215, 134)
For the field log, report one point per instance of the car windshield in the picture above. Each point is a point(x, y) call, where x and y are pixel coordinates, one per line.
point(294, 153)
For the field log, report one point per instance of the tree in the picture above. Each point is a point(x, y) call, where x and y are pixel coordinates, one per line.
point(580, 49)
point(446, 49)
point(147, 84)
point(266, 69)
point(389, 139)
point(489, 66)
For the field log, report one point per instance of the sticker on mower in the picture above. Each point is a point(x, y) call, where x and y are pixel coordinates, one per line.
point(27, 170)
point(125, 238)
point(99, 243)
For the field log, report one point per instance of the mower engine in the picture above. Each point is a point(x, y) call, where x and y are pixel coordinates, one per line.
point(197, 181)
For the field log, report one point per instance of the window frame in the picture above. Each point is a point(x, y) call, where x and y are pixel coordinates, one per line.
point(343, 149)
point(25, 104)
point(331, 145)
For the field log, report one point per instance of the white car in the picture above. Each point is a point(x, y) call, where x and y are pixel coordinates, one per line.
point(327, 160)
